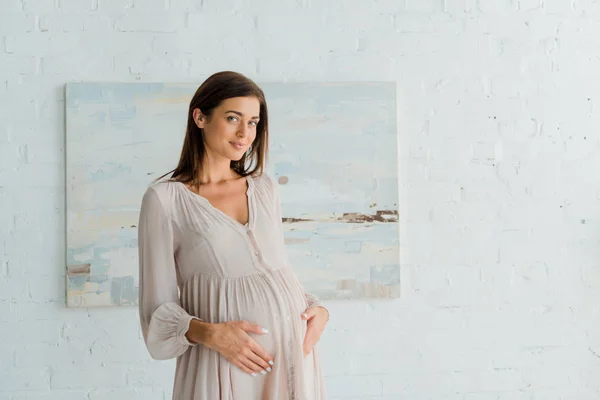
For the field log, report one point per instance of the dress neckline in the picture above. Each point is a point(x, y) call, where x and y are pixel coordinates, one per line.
point(227, 217)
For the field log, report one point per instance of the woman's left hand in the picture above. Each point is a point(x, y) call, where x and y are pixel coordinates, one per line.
point(316, 318)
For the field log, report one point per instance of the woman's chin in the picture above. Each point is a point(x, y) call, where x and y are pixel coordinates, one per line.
point(236, 156)
point(231, 154)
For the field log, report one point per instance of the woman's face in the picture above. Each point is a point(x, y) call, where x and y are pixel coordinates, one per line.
point(231, 129)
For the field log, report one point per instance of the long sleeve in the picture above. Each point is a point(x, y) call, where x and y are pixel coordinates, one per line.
point(164, 322)
point(311, 299)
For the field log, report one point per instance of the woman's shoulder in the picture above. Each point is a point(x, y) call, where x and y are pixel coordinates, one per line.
point(160, 193)
point(162, 187)
point(265, 182)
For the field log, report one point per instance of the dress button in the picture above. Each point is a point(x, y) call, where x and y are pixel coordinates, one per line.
point(256, 252)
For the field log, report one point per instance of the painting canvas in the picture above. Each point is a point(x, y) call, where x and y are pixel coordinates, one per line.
point(333, 150)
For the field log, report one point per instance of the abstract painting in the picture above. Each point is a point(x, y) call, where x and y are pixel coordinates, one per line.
point(333, 150)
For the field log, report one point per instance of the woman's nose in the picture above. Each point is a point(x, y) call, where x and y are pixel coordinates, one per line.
point(243, 131)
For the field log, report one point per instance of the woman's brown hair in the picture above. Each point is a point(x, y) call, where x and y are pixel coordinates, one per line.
point(213, 91)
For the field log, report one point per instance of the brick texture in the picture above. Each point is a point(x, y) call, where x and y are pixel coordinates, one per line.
point(498, 145)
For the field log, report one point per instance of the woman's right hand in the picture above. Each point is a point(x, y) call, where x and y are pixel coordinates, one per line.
point(232, 340)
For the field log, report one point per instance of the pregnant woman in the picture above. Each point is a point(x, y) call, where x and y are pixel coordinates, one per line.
point(216, 288)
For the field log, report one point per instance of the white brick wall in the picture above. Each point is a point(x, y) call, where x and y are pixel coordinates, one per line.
point(500, 219)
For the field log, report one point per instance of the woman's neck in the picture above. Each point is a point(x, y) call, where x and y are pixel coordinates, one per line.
point(213, 172)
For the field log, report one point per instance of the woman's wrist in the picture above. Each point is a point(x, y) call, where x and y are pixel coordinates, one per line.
point(199, 332)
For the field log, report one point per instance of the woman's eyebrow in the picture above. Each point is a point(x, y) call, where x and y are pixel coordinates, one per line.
point(239, 113)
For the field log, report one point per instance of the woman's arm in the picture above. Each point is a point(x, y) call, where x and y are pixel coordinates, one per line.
point(164, 322)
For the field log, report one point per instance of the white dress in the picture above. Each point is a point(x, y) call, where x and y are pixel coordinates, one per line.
point(197, 262)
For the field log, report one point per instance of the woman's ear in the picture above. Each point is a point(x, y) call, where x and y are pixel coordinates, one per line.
point(199, 118)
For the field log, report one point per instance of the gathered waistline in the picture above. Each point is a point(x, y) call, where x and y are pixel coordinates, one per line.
point(233, 278)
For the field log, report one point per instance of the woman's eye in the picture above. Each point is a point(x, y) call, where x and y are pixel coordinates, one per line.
point(230, 118)
point(253, 123)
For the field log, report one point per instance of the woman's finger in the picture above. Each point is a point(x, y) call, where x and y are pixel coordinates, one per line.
point(308, 349)
point(251, 366)
point(309, 313)
point(252, 328)
point(309, 340)
point(259, 351)
point(239, 362)
point(256, 359)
